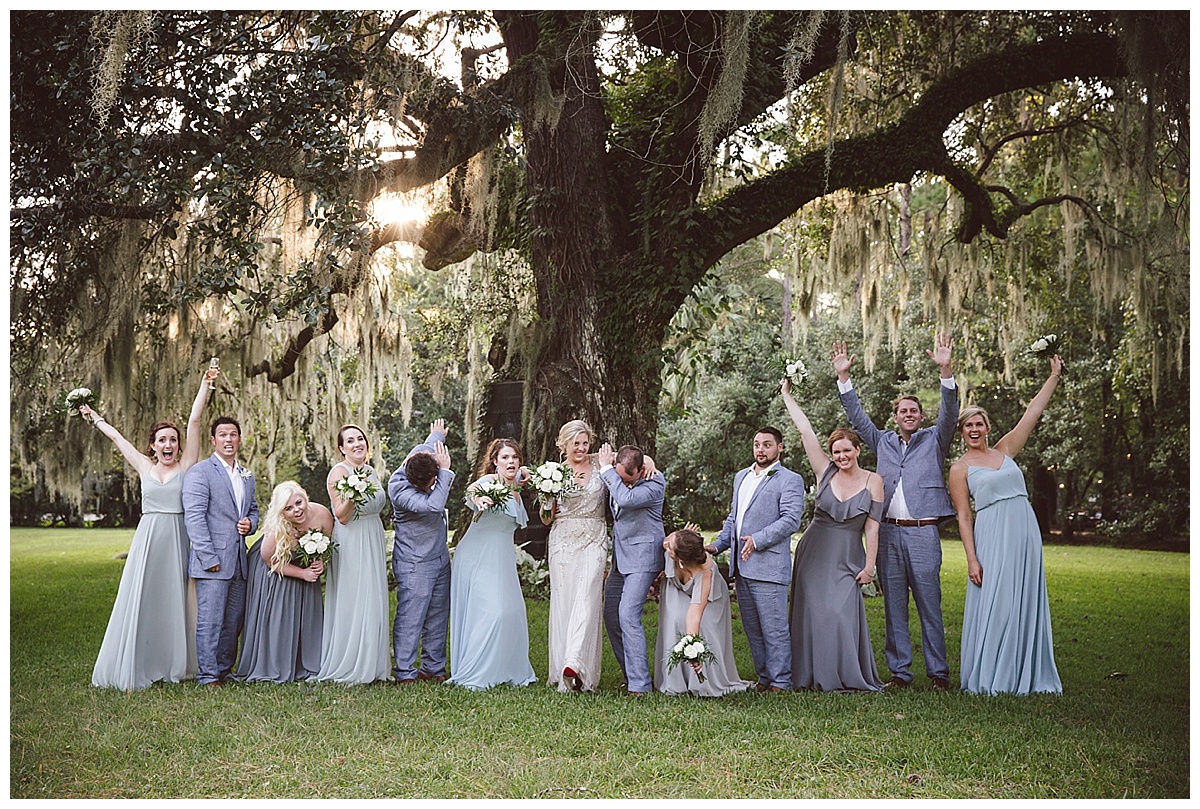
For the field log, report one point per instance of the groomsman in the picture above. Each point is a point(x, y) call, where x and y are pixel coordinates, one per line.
point(910, 461)
point(418, 491)
point(768, 502)
point(219, 511)
point(637, 558)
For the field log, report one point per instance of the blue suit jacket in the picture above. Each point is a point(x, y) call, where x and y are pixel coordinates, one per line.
point(211, 515)
point(637, 522)
point(921, 465)
point(419, 517)
point(772, 516)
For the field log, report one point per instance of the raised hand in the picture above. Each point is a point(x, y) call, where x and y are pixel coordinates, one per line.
point(1057, 366)
point(942, 345)
point(841, 361)
point(441, 455)
point(438, 426)
point(605, 454)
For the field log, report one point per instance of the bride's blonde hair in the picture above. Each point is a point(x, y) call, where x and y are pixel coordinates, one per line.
point(275, 524)
point(566, 435)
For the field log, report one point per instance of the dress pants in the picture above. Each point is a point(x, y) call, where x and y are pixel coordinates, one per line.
point(624, 597)
point(764, 609)
point(910, 558)
point(422, 616)
point(220, 611)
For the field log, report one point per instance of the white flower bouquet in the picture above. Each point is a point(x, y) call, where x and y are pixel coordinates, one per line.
point(552, 480)
point(795, 371)
point(690, 649)
point(493, 493)
point(77, 399)
point(311, 546)
point(357, 487)
point(1045, 347)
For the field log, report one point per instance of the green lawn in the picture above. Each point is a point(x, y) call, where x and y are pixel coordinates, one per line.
point(1120, 730)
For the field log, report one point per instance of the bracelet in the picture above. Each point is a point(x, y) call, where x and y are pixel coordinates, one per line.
point(98, 420)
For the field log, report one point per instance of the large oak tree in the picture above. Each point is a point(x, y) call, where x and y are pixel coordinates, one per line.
point(601, 135)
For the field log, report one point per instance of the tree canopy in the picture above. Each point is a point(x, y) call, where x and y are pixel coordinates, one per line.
point(188, 184)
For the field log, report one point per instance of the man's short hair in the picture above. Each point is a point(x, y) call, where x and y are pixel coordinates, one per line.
point(631, 458)
point(224, 420)
point(421, 469)
point(771, 431)
point(909, 397)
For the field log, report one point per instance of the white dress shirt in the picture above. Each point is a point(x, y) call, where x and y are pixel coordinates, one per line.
point(750, 484)
point(235, 481)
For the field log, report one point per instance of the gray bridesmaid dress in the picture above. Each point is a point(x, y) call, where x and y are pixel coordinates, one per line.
point(147, 638)
point(281, 641)
point(831, 645)
point(716, 627)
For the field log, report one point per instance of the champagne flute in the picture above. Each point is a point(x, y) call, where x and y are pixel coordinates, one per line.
point(213, 365)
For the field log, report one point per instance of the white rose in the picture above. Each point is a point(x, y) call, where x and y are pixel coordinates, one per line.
point(556, 475)
point(308, 545)
point(1040, 345)
point(361, 486)
point(546, 486)
point(694, 650)
point(679, 646)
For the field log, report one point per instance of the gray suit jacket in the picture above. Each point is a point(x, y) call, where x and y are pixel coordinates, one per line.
point(637, 521)
point(921, 465)
point(211, 515)
point(772, 516)
point(420, 517)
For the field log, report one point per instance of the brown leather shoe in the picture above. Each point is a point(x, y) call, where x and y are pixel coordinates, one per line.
point(406, 681)
point(896, 683)
point(635, 693)
point(941, 684)
point(434, 678)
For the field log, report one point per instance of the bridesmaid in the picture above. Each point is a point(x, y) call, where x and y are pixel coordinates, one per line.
point(282, 638)
point(694, 600)
point(148, 638)
point(354, 645)
point(1007, 643)
point(489, 637)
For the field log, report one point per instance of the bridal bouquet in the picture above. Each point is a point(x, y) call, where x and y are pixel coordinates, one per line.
point(690, 649)
point(357, 487)
point(311, 546)
point(550, 480)
point(495, 492)
point(796, 371)
point(78, 398)
point(1045, 347)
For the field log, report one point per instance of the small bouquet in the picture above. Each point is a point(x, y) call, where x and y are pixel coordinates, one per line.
point(795, 371)
point(1046, 347)
point(311, 546)
point(690, 649)
point(357, 487)
point(494, 491)
point(551, 480)
point(77, 399)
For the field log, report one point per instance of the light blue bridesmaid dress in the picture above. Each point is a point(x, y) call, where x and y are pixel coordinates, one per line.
point(489, 635)
point(1007, 645)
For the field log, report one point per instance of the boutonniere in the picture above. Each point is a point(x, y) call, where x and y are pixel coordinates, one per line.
point(245, 473)
point(773, 471)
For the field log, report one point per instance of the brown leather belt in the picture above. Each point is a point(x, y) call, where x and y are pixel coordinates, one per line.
point(911, 523)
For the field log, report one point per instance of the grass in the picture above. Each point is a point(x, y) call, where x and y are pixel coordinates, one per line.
point(1120, 729)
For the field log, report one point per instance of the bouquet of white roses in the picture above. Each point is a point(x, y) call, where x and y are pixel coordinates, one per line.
point(357, 487)
point(494, 491)
point(1045, 347)
point(77, 399)
point(690, 649)
point(311, 546)
point(795, 371)
point(551, 480)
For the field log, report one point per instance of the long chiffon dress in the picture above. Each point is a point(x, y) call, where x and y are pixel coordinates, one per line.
point(147, 639)
point(831, 643)
point(1007, 644)
point(489, 635)
point(355, 642)
point(716, 627)
point(281, 641)
point(577, 550)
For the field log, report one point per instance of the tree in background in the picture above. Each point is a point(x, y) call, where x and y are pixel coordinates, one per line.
point(218, 198)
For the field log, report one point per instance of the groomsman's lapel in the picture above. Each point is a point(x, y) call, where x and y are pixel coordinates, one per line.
point(224, 477)
point(760, 487)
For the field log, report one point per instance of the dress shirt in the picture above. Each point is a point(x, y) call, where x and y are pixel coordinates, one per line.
point(750, 484)
point(235, 481)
